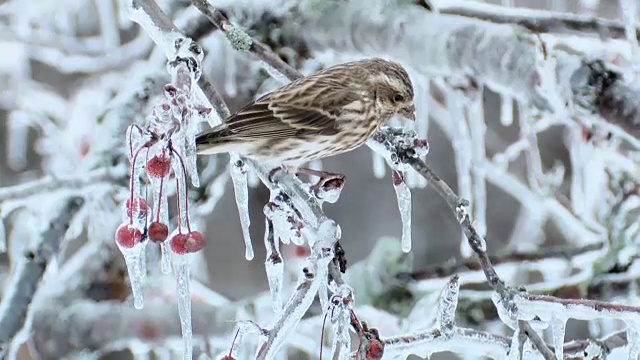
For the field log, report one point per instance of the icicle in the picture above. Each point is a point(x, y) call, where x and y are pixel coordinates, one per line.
point(514, 349)
point(558, 326)
point(240, 187)
point(448, 304)
point(577, 157)
point(629, 16)
point(423, 120)
point(274, 267)
point(190, 153)
point(506, 110)
point(17, 140)
point(478, 154)
point(165, 261)
point(633, 338)
point(180, 265)
point(135, 258)
point(3, 235)
point(379, 166)
point(230, 72)
point(403, 195)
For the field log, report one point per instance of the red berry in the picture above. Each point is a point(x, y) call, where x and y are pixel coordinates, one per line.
point(187, 243)
point(128, 236)
point(159, 166)
point(158, 232)
point(139, 206)
point(228, 357)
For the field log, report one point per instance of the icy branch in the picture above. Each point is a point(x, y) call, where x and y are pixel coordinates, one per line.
point(30, 270)
point(241, 41)
point(50, 183)
point(507, 58)
point(537, 21)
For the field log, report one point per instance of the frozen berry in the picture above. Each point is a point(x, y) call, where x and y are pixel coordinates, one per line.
point(158, 232)
point(159, 166)
point(187, 243)
point(139, 207)
point(128, 236)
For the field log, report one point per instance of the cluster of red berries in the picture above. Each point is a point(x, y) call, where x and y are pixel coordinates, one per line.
point(128, 235)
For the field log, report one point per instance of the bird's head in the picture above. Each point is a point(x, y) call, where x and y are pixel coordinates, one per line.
point(393, 89)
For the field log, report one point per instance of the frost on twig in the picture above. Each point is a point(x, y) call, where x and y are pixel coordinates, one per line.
point(30, 270)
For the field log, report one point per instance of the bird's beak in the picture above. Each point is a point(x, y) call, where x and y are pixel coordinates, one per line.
point(409, 112)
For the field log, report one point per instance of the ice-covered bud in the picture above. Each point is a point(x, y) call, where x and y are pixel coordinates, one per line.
point(170, 91)
point(158, 232)
point(162, 122)
point(159, 166)
point(187, 243)
point(329, 188)
point(139, 208)
point(128, 236)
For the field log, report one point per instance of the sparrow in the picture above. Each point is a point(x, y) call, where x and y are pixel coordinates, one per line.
point(327, 113)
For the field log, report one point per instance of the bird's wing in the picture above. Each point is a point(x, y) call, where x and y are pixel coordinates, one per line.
point(309, 106)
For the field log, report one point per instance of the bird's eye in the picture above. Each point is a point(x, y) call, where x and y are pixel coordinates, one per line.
point(398, 98)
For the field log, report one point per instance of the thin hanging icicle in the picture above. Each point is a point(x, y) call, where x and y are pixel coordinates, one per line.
point(462, 150)
point(274, 266)
point(181, 266)
point(18, 129)
point(478, 129)
point(558, 327)
point(629, 17)
point(134, 259)
point(403, 195)
point(423, 120)
point(379, 165)
point(506, 110)
point(241, 190)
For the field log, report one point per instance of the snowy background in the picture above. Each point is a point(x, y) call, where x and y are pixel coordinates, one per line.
point(560, 218)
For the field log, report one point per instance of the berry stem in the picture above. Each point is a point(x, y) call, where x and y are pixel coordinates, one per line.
point(322, 333)
point(178, 202)
point(160, 192)
point(186, 202)
point(133, 168)
point(233, 342)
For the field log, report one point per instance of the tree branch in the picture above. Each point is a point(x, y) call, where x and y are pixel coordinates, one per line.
point(29, 271)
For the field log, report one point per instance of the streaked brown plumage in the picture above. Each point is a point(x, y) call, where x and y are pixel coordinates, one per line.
point(327, 113)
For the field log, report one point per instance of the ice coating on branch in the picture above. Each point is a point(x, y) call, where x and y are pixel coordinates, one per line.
point(558, 327)
point(448, 305)
point(403, 195)
point(241, 191)
point(274, 266)
point(287, 222)
point(341, 308)
point(181, 272)
point(135, 260)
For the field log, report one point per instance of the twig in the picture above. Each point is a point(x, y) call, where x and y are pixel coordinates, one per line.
point(49, 183)
point(539, 21)
point(29, 272)
point(450, 268)
point(241, 41)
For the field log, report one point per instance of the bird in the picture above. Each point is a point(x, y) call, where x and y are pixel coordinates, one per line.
point(332, 111)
